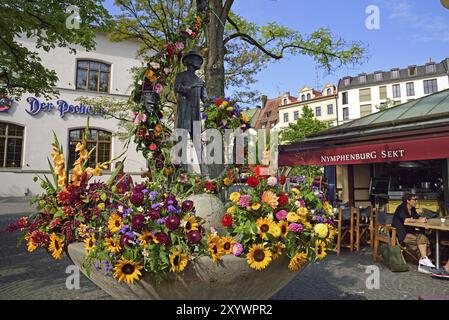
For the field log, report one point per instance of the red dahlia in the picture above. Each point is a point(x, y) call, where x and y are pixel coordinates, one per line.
point(252, 181)
point(226, 221)
point(283, 200)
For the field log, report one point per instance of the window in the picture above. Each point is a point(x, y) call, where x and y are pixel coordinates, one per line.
point(395, 74)
point(347, 81)
point(328, 91)
point(410, 89)
point(330, 109)
point(365, 110)
point(318, 112)
point(93, 76)
point(383, 93)
point(268, 114)
point(378, 76)
point(284, 102)
point(11, 140)
point(296, 115)
point(345, 113)
point(99, 139)
point(396, 91)
point(430, 86)
point(303, 97)
point(412, 71)
point(308, 96)
point(285, 117)
point(430, 68)
point(365, 95)
point(345, 97)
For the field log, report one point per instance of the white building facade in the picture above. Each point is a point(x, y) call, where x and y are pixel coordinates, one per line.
point(26, 129)
point(365, 94)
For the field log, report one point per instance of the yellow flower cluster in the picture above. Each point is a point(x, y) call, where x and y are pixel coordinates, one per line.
point(59, 166)
point(219, 246)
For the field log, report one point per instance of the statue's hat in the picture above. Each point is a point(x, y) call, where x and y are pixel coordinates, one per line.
point(192, 53)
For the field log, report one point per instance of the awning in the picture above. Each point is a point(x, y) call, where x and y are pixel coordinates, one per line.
point(408, 150)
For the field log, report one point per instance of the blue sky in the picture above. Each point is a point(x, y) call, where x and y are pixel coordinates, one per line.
point(411, 32)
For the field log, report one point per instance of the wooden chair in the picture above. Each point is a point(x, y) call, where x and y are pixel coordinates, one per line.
point(382, 228)
point(364, 226)
point(345, 228)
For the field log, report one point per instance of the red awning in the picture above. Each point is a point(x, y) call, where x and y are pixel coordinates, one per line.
point(419, 149)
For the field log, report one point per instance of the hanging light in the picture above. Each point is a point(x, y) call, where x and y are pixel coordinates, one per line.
point(445, 3)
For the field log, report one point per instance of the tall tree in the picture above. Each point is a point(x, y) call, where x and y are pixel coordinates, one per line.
point(51, 23)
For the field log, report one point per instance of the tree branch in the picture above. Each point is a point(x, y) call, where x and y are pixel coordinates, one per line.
point(226, 8)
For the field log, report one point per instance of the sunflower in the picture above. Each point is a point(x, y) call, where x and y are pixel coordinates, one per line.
point(283, 225)
point(227, 243)
point(297, 261)
point(190, 223)
point(215, 247)
point(320, 250)
point(270, 198)
point(265, 226)
point(332, 234)
point(258, 257)
point(178, 261)
point(127, 270)
point(30, 245)
point(112, 245)
point(56, 246)
point(115, 223)
point(277, 250)
point(146, 237)
point(89, 243)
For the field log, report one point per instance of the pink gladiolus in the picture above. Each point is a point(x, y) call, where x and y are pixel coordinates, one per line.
point(158, 88)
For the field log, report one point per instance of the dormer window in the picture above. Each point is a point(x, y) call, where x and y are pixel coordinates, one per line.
point(284, 102)
point(303, 97)
point(362, 79)
point(394, 74)
point(378, 76)
point(347, 81)
point(328, 91)
point(430, 68)
point(308, 96)
point(412, 71)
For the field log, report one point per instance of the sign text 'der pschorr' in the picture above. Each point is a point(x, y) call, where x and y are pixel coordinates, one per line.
point(35, 107)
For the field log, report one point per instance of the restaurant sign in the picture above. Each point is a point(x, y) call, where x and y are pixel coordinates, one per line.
point(420, 149)
point(35, 107)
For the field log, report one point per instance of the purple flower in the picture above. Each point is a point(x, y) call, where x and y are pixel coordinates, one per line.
point(194, 236)
point(162, 237)
point(184, 178)
point(172, 222)
point(156, 205)
point(137, 198)
point(187, 206)
point(125, 240)
point(138, 188)
point(302, 203)
point(127, 212)
point(124, 228)
point(138, 221)
point(161, 220)
point(281, 215)
point(145, 191)
point(295, 227)
point(245, 201)
point(153, 195)
point(172, 209)
point(203, 116)
point(154, 214)
point(237, 249)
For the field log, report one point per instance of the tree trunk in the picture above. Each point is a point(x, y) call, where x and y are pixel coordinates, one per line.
point(214, 71)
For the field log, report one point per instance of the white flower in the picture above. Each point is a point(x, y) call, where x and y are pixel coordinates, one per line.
point(155, 65)
point(140, 209)
point(167, 70)
point(120, 209)
point(272, 181)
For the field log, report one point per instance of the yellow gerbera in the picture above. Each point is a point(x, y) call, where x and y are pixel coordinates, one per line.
point(283, 225)
point(265, 225)
point(227, 243)
point(320, 250)
point(127, 270)
point(112, 245)
point(321, 230)
point(147, 237)
point(227, 181)
point(297, 261)
point(302, 211)
point(190, 223)
point(235, 197)
point(56, 246)
point(255, 206)
point(30, 245)
point(270, 198)
point(89, 243)
point(178, 261)
point(215, 247)
point(293, 217)
point(277, 250)
point(231, 210)
point(115, 223)
point(258, 257)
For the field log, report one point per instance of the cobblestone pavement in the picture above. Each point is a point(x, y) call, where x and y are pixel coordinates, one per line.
point(36, 275)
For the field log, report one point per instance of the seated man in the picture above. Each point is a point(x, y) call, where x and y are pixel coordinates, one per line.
point(409, 236)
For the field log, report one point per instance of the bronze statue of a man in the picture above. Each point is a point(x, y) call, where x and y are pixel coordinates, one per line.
point(191, 90)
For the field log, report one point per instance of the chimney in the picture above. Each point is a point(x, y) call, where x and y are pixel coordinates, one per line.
point(264, 100)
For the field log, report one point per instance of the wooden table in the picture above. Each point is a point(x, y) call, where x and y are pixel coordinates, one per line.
point(433, 224)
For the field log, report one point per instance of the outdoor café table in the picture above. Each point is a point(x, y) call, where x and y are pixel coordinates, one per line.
point(433, 224)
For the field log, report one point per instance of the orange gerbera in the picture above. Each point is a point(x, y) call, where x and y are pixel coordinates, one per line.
point(270, 198)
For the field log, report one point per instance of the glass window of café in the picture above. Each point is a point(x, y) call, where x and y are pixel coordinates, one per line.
point(98, 139)
point(93, 76)
point(11, 142)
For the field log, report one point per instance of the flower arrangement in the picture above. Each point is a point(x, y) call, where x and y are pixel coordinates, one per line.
point(264, 222)
point(224, 114)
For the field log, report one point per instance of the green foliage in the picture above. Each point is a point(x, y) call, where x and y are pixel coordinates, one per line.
point(21, 69)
